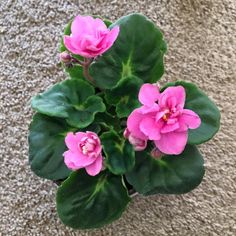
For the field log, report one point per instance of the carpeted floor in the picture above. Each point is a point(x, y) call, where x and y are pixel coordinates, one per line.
point(201, 36)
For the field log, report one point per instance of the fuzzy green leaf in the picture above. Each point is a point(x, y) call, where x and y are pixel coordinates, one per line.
point(46, 146)
point(125, 95)
point(138, 51)
point(70, 99)
point(87, 202)
point(168, 175)
point(119, 153)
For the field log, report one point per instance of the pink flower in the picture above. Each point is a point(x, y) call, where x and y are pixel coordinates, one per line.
point(139, 144)
point(90, 37)
point(162, 118)
point(84, 152)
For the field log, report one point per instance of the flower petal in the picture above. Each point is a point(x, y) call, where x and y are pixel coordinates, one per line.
point(100, 25)
point(149, 127)
point(113, 34)
point(68, 43)
point(80, 135)
point(169, 127)
point(148, 94)
point(149, 109)
point(172, 143)
point(172, 95)
point(70, 160)
point(78, 159)
point(95, 167)
point(82, 25)
point(133, 123)
point(71, 141)
point(109, 39)
point(190, 118)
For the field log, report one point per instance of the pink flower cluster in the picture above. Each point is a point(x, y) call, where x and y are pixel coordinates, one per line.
point(90, 37)
point(84, 152)
point(162, 119)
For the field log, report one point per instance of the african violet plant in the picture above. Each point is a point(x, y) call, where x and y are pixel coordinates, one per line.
point(109, 129)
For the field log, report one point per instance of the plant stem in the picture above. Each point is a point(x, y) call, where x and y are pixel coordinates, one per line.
point(77, 61)
point(86, 64)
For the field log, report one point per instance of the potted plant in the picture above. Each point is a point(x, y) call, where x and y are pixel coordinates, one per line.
point(110, 130)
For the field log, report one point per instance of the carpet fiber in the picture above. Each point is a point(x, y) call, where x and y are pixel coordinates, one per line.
point(201, 37)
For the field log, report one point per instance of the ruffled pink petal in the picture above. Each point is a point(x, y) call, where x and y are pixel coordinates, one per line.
point(78, 158)
point(178, 92)
point(100, 25)
point(71, 141)
point(68, 43)
point(95, 167)
point(152, 109)
point(172, 102)
point(93, 49)
point(148, 94)
point(190, 118)
point(159, 115)
point(70, 160)
point(133, 123)
point(109, 39)
point(172, 143)
point(182, 127)
point(149, 128)
point(171, 121)
point(112, 35)
point(169, 127)
point(85, 160)
point(83, 25)
point(80, 135)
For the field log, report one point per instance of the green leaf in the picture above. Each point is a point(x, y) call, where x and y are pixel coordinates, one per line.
point(93, 127)
point(75, 71)
point(119, 153)
point(138, 51)
point(46, 146)
point(168, 175)
point(125, 95)
point(200, 103)
point(87, 202)
point(107, 120)
point(70, 99)
point(107, 22)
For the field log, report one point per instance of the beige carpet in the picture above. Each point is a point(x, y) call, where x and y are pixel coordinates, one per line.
point(201, 36)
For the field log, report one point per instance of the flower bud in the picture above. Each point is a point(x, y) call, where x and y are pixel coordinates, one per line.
point(138, 144)
point(65, 57)
point(126, 133)
point(156, 153)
